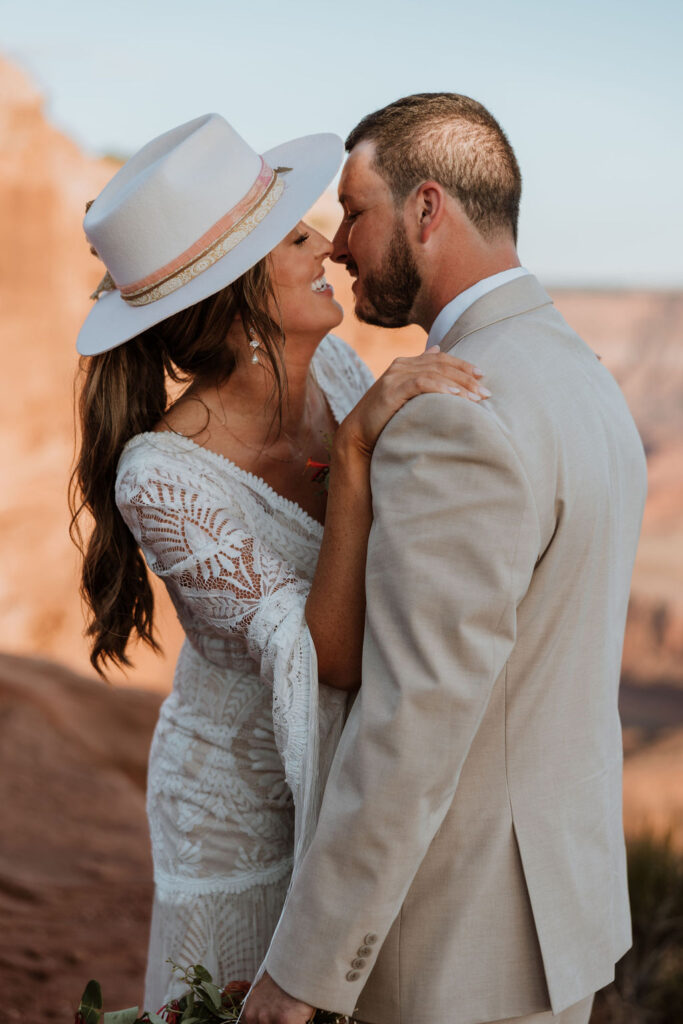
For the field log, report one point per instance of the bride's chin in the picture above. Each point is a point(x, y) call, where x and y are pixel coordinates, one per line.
point(320, 327)
point(338, 314)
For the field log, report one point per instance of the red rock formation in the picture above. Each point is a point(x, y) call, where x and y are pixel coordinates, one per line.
point(640, 337)
point(46, 275)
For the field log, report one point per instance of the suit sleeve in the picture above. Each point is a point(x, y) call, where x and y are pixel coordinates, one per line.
point(453, 544)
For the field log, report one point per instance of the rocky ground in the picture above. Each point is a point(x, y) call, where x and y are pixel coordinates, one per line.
point(75, 872)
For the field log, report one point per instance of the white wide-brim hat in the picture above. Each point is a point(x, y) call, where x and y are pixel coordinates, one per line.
point(188, 214)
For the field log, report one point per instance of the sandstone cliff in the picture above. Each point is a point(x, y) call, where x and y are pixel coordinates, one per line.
point(46, 275)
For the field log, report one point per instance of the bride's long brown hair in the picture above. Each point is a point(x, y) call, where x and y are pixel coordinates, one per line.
point(123, 392)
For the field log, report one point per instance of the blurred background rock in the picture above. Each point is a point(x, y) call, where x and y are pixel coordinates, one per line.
point(74, 865)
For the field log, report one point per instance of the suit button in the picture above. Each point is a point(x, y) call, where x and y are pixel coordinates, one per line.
point(364, 951)
point(358, 964)
point(370, 939)
point(352, 976)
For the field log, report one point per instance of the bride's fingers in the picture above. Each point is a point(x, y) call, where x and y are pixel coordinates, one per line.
point(436, 382)
point(461, 371)
point(463, 374)
point(474, 388)
point(449, 374)
point(462, 364)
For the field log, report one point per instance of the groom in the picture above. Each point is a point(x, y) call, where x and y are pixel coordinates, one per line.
point(469, 861)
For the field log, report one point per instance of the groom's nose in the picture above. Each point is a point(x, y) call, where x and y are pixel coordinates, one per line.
point(340, 251)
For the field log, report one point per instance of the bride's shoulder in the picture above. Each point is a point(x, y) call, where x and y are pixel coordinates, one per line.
point(158, 457)
point(336, 357)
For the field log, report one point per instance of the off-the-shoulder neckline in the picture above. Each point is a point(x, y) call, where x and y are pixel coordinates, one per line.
point(257, 483)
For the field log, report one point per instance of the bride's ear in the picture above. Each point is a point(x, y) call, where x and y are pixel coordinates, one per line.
point(430, 203)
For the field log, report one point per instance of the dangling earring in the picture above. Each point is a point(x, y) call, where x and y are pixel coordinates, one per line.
point(254, 343)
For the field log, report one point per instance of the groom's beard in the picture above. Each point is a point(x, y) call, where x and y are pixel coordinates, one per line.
point(389, 293)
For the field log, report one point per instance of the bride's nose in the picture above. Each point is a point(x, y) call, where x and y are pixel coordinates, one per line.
point(324, 247)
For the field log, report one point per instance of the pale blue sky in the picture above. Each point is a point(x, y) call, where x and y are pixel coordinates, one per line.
point(589, 92)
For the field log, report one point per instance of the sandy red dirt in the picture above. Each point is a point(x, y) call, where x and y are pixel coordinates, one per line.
point(75, 871)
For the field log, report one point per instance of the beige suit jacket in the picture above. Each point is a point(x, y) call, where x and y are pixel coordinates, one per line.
point(469, 860)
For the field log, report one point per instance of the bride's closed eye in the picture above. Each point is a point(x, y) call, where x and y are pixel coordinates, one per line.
point(301, 239)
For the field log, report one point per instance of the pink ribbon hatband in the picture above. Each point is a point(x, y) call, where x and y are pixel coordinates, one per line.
point(214, 243)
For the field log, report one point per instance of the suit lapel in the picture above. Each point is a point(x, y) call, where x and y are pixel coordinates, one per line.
point(508, 300)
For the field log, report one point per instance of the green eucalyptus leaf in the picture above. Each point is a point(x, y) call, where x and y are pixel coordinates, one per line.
point(189, 1011)
point(202, 972)
point(90, 1006)
point(128, 1016)
point(213, 992)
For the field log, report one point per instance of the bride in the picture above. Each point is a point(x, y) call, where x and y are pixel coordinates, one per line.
point(214, 281)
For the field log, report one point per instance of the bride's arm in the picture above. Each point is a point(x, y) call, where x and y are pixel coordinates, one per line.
point(335, 609)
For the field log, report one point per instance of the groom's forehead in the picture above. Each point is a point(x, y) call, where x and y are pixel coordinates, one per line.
point(359, 177)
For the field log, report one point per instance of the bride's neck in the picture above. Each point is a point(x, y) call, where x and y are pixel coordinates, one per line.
point(251, 396)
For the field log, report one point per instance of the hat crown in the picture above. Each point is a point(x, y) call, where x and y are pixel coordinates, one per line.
point(168, 195)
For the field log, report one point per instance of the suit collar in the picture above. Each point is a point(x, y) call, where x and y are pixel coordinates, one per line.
point(508, 300)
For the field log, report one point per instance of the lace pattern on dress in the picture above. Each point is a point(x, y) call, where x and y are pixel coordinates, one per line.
point(245, 715)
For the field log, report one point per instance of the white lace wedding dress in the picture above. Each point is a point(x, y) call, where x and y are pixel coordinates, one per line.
point(245, 726)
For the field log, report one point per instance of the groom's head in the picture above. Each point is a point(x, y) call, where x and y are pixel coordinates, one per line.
point(431, 180)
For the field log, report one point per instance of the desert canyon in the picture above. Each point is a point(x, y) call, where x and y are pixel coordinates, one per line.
point(75, 874)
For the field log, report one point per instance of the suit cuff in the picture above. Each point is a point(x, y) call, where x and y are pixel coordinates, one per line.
point(336, 990)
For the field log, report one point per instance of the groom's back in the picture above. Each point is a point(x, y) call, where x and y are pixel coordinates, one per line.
point(570, 426)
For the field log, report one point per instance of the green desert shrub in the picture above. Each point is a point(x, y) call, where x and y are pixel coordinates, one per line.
point(648, 987)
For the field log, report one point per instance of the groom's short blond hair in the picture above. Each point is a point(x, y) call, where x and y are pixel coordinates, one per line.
point(451, 139)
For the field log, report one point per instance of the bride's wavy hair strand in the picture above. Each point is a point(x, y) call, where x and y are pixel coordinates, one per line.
point(125, 392)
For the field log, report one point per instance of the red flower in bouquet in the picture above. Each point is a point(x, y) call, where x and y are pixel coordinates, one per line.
point(204, 1001)
point(321, 473)
point(237, 988)
point(171, 1012)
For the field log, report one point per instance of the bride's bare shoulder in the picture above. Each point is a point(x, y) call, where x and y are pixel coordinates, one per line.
point(188, 415)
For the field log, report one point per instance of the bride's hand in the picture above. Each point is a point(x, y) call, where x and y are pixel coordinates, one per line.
point(433, 372)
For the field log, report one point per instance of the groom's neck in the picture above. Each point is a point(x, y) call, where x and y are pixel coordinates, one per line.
point(455, 268)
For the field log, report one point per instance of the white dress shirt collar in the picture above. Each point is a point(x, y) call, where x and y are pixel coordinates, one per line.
point(454, 309)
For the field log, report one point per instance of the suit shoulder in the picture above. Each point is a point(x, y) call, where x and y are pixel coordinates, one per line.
point(429, 421)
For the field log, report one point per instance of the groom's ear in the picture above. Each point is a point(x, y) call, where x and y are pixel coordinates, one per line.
point(430, 203)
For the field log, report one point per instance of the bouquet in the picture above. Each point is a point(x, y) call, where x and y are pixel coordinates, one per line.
point(203, 1003)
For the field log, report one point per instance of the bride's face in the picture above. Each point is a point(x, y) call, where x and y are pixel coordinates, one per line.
point(306, 301)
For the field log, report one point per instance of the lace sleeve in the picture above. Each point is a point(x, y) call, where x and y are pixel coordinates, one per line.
point(230, 590)
point(234, 597)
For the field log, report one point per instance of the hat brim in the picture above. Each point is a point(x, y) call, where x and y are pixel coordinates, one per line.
point(313, 159)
